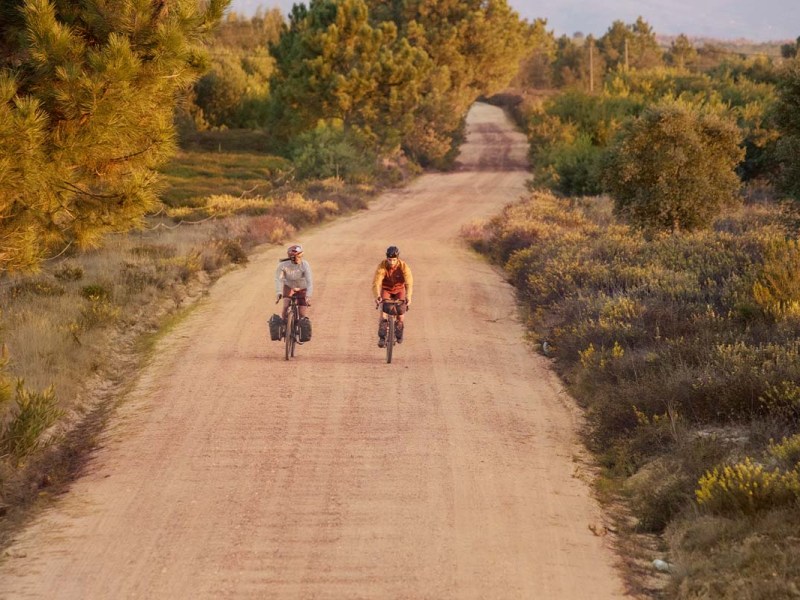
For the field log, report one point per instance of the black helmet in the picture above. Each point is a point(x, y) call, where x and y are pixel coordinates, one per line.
point(392, 252)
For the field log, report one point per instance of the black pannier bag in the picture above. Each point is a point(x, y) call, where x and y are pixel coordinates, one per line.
point(275, 323)
point(305, 329)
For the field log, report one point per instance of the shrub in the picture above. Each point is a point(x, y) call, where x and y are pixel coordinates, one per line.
point(5, 383)
point(225, 205)
point(155, 250)
point(787, 451)
point(234, 251)
point(777, 290)
point(782, 400)
point(299, 211)
point(69, 272)
point(95, 292)
point(658, 492)
point(573, 169)
point(37, 287)
point(138, 277)
point(673, 168)
point(98, 312)
point(33, 414)
point(330, 151)
point(747, 488)
point(268, 228)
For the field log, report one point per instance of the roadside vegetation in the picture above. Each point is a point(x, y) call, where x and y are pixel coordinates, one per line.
point(658, 262)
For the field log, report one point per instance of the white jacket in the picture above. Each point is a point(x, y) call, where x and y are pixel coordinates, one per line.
point(294, 275)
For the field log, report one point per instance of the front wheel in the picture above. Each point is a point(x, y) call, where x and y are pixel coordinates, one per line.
point(288, 336)
point(390, 340)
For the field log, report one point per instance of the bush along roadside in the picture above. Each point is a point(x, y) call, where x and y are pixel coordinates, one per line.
point(72, 335)
point(684, 350)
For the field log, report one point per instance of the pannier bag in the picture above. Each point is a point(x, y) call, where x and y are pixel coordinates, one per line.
point(305, 329)
point(275, 323)
point(394, 309)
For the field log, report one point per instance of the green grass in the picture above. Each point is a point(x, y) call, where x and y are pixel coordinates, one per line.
point(196, 174)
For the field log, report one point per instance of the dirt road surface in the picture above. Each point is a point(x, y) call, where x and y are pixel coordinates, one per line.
point(449, 474)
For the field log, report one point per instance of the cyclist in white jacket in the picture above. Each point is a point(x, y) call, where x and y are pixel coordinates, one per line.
point(293, 278)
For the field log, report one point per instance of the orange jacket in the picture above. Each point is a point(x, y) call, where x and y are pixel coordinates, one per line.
point(394, 280)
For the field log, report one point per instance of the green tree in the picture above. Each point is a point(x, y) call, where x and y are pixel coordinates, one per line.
point(234, 89)
point(633, 46)
point(259, 31)
point(330, 151)
point(681, 52)
point(571, 63)
point(475, 47)
point(787, 116)
point(673, 168)
point(535, 70)
point(87, 91)
point(790, 50)
point(645, 52)
point(219, 92)
point(331, 63)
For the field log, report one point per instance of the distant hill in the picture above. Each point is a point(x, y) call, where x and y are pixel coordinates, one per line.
point(739, 45)
point(249, 7)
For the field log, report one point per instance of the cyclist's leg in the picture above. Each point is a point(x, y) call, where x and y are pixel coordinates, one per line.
point(305, 322)
point(383, 322)
point(301, 302)
point(287, 291)
point(399, 325)
point(383, 328)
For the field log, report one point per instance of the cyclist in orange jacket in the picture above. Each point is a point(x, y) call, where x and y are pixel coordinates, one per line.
point(392, 281)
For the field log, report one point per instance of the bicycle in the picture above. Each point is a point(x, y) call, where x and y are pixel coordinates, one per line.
point(291, 330)
point(391, 308)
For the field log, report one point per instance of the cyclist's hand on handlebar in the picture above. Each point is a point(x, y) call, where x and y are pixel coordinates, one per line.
point(378, 300)
point(279, 298)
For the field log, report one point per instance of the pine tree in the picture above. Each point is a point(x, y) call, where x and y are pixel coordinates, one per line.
point(333, 64)
point(681, 52)
point(633, 46)
point(535, 69)
point(476, 47)
point(87, 91)
point(787, 116)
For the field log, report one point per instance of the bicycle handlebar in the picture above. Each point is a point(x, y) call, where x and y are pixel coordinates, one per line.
point(389, 301)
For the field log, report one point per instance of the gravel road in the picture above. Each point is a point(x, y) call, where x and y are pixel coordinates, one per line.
point(452, 473)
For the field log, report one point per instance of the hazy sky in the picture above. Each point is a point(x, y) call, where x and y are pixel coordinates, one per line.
point(757, 20)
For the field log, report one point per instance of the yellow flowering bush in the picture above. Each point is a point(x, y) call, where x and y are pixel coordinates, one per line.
point(787, 450)
point(225, 205)
point(746, 487)
point(777, 290)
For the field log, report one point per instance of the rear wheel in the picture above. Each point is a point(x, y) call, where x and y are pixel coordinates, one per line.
point(296, 335)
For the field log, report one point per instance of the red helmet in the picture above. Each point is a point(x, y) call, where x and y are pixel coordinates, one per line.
point(294, 250)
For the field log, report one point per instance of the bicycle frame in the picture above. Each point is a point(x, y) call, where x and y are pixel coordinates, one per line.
point(391, 333)
point(292, 332)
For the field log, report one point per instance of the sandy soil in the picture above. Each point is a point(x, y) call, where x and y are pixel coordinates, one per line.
point(453, 472)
